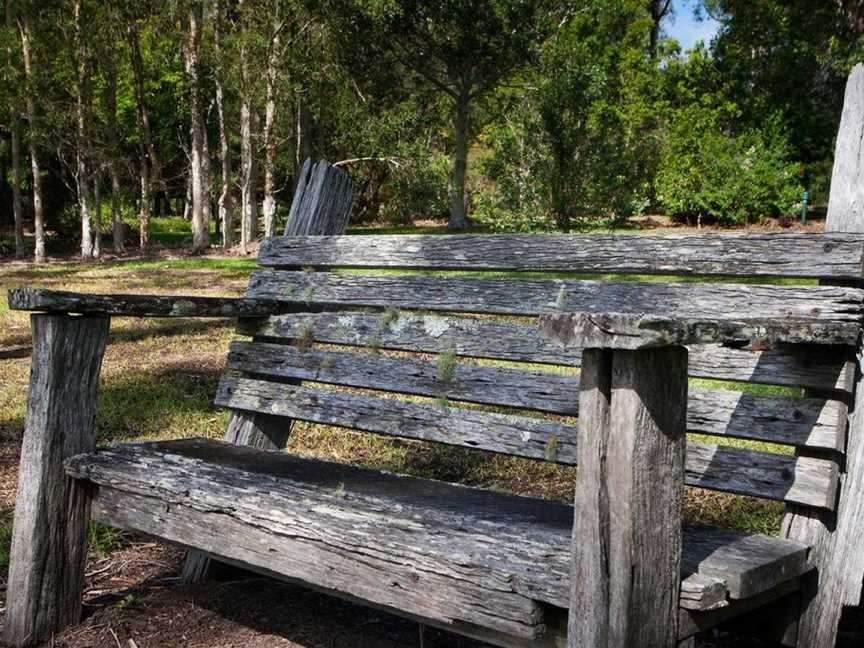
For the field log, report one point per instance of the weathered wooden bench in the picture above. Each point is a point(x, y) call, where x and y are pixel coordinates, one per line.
point(327, 346)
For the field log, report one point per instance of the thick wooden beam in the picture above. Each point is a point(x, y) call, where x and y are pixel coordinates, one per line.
point(46, 571)
point(117, 305)
point(627, 537)
point(321, 205)
point(836, 537)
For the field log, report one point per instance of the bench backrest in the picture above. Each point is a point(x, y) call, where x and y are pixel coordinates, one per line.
point(482, 377)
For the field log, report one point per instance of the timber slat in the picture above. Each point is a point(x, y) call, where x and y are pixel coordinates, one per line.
point(60, 301)
point(760, 474)
point(299, 517)
point(805, 422)
point(842, 306)
point(785, 255)
point(819, 368)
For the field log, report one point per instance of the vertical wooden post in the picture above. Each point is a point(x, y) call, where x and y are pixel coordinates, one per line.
point(46, 572)
point(629, 491)
point(836, 536)
point(321, 206)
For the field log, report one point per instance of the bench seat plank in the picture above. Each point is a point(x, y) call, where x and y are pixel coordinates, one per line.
point(430, 548)
point(821, 368)
point(760, 474)
point(802, 422)
point(783, 254)
point(840, 305)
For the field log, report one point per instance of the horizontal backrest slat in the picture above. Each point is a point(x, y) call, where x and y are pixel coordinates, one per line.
point(537, 296)
point(821, 368)
point(805, 481)
point(802, 422)
point(788, 254)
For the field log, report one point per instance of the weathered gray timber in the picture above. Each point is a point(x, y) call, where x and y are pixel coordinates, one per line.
point(46, 574)
point(60, 301)
point(321, 204)
point(836, 538)
point(204, 475)
point(821, 368)
point(803, 480)
point(813, 422)
point(703, 593)
point(627, 536)
point(772, 254)
point(546, 296)
point(638, 331)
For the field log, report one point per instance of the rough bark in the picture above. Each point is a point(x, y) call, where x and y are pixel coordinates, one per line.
point(458, 217)
point(15, 145)
point(82, 121)
point(146, 163)
point(30, 104)
point(192, 52)
point(226, 194)
point(46, 569)
point(820, 256)
point(118, 237)
point(274, 57)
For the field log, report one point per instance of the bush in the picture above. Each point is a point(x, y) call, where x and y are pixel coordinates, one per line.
point(706, 173)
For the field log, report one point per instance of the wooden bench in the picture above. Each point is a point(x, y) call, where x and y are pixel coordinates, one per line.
point(329, 346)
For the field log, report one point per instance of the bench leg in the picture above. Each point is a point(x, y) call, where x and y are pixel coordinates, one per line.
point(629, 491)
point(46, 571)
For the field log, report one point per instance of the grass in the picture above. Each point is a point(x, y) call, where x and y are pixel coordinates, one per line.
point(159, 378)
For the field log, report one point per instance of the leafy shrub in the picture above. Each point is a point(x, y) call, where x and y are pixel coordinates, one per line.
point(731, 179)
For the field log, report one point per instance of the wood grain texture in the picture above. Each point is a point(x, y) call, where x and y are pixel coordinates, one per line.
point(639, 421)
point(46, 567)
point(509, 544)
point(836, 538)
point(816, 367)
point(59, 301)
point(812, 422)
point(321, 203)
point(769, 254)
point(638, 331)
point(548, 296)
point(750, 472)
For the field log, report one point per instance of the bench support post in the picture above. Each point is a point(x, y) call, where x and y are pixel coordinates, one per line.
point(52, 511)
point(629, 492)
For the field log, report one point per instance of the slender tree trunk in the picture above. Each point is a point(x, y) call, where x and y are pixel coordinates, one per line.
point(304, 131)
point(110, 100)
point(82, 102)
point(270, 134)
point(97, 216)
point(458, 217)
point(15, 146)
point(145, 147)
point(187, 200)
point(226, 197)
point(248, 166)
point(658, 9)
point(200, 226)
point(30, 105)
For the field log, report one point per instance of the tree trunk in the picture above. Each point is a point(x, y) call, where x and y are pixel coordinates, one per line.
point(304, 132)
point(15, 146)
point(145, 147)
point(30, 104)
point(97, 216)
point(110, 100)
point(82, 102)
point(226, 199)
point(458, 217)
point(659, 9)
point(270, 135)
point(200, 226)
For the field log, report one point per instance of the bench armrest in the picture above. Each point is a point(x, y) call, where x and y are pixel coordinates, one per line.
point(636, 331)
point(59, 301)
